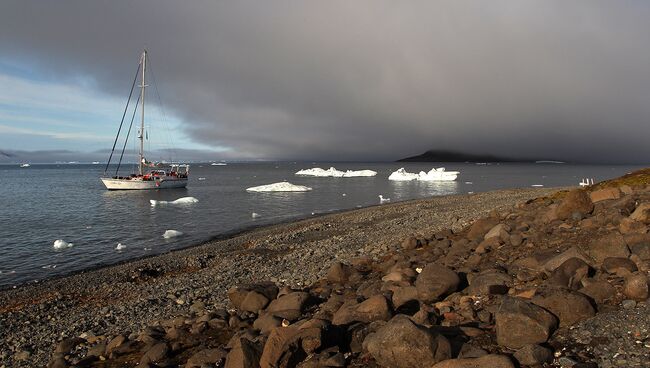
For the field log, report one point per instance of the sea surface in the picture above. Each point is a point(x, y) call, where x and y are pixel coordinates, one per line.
point(43, 203)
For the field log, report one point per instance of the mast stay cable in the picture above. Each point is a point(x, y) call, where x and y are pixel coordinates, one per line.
point(127, 135)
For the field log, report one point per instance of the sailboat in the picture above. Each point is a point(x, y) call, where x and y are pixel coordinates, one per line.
point(174, 177)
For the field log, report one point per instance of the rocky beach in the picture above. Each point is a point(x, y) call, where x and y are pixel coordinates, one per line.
point(511, 278)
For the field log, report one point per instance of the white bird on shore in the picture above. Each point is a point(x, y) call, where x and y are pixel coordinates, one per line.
point(383, 200)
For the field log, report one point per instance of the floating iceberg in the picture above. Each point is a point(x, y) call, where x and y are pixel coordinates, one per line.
point(183, 200)
point(62, 244)
point(438, 174)
point(255, 215)
point(120, 246)
point(334, 173)
point(218, 164)
point(279, 187)
point(172, 234)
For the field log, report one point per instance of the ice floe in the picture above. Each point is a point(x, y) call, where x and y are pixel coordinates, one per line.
point(283, 186)
point(48, 267)
point(334, 173)
point(255, 215)
point(383, 200)
point(434, 174)
point(62, 244)
point(120, 246)
point(183, 200)
point(201, 179)
point(172, 234)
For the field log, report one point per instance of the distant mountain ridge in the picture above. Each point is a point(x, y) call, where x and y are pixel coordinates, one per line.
point(451, 156)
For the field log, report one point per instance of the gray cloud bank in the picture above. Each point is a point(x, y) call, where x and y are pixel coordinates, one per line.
point(365, 80)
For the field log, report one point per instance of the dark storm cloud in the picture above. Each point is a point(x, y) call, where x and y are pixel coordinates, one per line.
point(366, 79)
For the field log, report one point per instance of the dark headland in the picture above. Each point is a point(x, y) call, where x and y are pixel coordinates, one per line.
point(453, 156)
point(503, 279)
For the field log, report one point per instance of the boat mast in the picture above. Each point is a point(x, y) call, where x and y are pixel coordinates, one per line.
point(144, 64)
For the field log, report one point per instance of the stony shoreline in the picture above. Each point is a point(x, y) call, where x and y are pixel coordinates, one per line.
point(129, 296)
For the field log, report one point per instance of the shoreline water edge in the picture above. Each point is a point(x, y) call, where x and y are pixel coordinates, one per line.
point(510, 278)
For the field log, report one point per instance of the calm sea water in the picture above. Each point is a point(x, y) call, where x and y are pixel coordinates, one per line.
point(43, 203)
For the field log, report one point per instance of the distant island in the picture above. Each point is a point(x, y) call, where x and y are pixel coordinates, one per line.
point(451, 156)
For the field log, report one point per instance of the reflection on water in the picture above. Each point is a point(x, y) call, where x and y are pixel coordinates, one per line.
point(407, 189)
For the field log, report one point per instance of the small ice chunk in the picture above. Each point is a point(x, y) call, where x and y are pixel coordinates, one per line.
point(62, 244)
point(201, 179)
point(171, 234)
point(279, 187)
point(255, 215)
point(182, 200)
point(537, 185)
point(383, 200)
point(120, 246)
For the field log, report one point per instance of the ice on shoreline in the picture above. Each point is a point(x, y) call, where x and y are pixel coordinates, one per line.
point(283, 186)
point(334, 173)
point(120, 246)
point(183, 200)
point(434, 174)
point(172, 234)
point(62, 244)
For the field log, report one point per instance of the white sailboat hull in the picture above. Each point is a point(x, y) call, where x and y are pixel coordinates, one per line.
point(137, 184)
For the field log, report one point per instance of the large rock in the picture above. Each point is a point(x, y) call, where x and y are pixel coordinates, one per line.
point(641, 213)
point(156, 353)
point(500, 231)
point(404, 295)
point(400, 343)
point(488, 282)
point(239, 293)
point(611, 245)
point(570, 273)
point(568, 306)
point(519, 323)
point(576, 201)
point(636, 287)
point(243, 354)
point(289, 306)
point(288, 346)
point(206, 356)
point(618, 265)
point(435, 281)
point(554, 262)
point(340, 273)
point(486, 361)
point(599, 291)
point(534, 355)
point(480, 227)
point(605, 194)
point(375, 308)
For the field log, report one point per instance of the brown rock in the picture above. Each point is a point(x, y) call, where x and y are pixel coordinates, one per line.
point(480, 227)
point(570, 273)
point(488, 282)
point(605, 194)
point(618, 265)
point(576, 201)
point(375, 308)
point(289, 306)
point(114, 343)
point(401, 343)
point(341, 273)
point(636, 287)
point(403, 295)
point(534, 355)
point(57, 362)
point(287, 346)
point(66, 345)
point(516, 239)
point(491, 361)
point(519, 323)
point(611, 245)
point(641, 213)
point(554, 262)
point(568, 306)
point(435, 281)
point(239, 293)
point(410, 243)
point(629, 226)
point(244, 354)
point(499, 231)
point(253, 302)
point(206, 356)
point(155, 354)
point(266, 322)
point(599, 291)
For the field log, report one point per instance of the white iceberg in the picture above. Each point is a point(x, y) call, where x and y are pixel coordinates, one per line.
point(279, 187)
point(183, 200)
point(172, 234)
point(255, 215)
point(62, 244)
point(218, 164)
point(434, 174)
point(120, 246)
point(334, 173)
